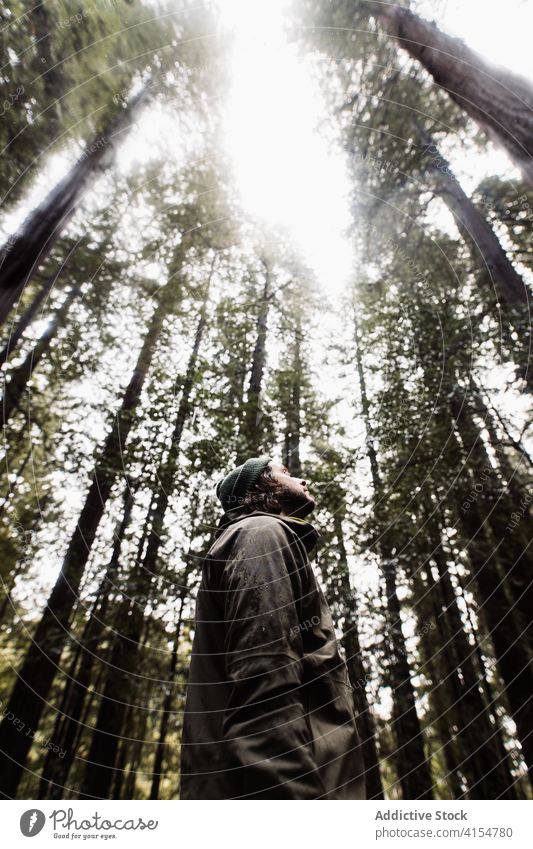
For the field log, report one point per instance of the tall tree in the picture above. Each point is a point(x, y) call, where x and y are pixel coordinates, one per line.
point(251, 429)
point(410, 759)
point(15, 389)
point(67, 725)
point(41, 663)
point(22, 253)
point(109, 726)
point(64, 69)
point(500, 101)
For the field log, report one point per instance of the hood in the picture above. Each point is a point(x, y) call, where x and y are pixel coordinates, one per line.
point(304, 530)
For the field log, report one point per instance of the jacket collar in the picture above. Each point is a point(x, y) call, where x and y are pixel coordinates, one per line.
point(305, 531)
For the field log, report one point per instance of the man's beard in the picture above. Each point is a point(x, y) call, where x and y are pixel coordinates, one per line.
point(296, 505)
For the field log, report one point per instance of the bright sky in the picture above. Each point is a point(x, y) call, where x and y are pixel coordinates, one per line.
point(285, 170)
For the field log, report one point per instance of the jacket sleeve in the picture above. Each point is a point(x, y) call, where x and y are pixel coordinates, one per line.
point(264, 724)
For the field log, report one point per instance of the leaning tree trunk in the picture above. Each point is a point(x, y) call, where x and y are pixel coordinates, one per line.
point(500, 101)
point(16, 333)
point(485, 246)
point(410, 760)
point(109, 724)
point(15, 388)
point(41, 663)
point(25, 250)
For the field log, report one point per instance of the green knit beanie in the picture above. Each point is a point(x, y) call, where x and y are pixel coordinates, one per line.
point(232, 488)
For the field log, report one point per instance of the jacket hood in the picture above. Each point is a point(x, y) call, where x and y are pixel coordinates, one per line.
point(304, 530)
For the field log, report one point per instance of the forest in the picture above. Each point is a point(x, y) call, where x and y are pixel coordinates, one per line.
point(156, 332)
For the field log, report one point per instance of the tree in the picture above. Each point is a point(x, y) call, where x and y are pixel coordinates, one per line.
point(500, 101)
point(410, 760)
point(21, 255)
point(123, 660)
point(41, 663)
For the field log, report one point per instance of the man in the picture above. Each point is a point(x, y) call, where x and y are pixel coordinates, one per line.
point(269, 709)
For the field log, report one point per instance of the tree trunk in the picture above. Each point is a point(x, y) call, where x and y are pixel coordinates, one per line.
point(55, 771)
point(22, 253)
point(136, 749)
point(514, 662)
point(500, 101)
point(485, 246)
point(357, 673)
point(511, 545)
point(15, 389)
point(250, 430)
point(410, 760)
point(293, 422)
point(504, 625)
point(167, 705)
point(27, 317)
point(109, 725)
point(502, 570)
point(118, 780)
point(438, 719)
point(42, 659)
point(481, 763)
point(488, 689)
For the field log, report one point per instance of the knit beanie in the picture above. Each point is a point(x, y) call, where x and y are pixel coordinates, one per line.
point(238, 482)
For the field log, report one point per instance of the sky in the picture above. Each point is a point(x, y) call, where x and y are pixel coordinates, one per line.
point(285, 169)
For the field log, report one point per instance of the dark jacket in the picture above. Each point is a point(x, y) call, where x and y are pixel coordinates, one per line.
point(269, 710)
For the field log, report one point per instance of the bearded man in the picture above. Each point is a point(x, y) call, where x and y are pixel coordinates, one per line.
point(269, 711)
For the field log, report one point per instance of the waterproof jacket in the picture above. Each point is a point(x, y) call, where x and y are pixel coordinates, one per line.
point(269, 711)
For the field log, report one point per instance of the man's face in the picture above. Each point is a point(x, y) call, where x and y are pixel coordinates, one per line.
point(296, 498)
